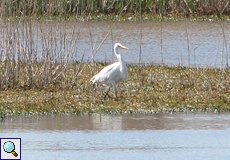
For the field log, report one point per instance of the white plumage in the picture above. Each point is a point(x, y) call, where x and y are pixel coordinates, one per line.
point(113, 74)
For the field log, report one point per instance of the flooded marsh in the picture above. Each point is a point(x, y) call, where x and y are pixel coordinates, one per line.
point(46, 67)
point(174, 67)
point(47, 99)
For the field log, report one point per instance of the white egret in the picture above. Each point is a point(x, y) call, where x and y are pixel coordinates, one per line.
point(114, 73)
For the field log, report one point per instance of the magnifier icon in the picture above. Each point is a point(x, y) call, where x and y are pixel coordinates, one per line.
point(9, 147)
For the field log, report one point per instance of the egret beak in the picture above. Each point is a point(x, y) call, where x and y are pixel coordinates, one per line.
point(123, 47)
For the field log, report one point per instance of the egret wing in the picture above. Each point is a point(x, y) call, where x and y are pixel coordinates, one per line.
point(106, 73)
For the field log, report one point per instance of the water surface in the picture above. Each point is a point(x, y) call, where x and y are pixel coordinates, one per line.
point(202, 44)
point(138, 136)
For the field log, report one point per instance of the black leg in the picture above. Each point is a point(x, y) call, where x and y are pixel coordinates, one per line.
point(107, 93)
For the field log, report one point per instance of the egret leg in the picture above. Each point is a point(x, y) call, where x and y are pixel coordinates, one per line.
point(107, 93)
point(115, 90)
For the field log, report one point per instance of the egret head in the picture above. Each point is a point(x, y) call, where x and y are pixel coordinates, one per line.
point(118, 45)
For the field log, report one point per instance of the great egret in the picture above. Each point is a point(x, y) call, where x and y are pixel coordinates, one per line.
point(114, 73)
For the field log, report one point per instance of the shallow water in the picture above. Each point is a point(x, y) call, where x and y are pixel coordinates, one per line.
point(137, 136)
point(202, 44)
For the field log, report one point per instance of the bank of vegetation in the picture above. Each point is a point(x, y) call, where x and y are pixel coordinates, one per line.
point(150, 89)
point(90, 8)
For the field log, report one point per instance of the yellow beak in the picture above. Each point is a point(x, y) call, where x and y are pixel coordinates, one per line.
point(123, 47)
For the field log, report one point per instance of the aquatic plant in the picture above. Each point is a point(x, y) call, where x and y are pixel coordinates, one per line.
point(67, 8)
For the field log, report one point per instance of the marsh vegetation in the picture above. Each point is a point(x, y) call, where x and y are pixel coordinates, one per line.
point(150, 89)
point(46, 78)
point(91, 9)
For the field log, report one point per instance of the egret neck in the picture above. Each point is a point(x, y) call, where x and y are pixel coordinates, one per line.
point(120, 58)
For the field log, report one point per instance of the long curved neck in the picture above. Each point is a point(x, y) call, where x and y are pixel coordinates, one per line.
point(119, 57)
